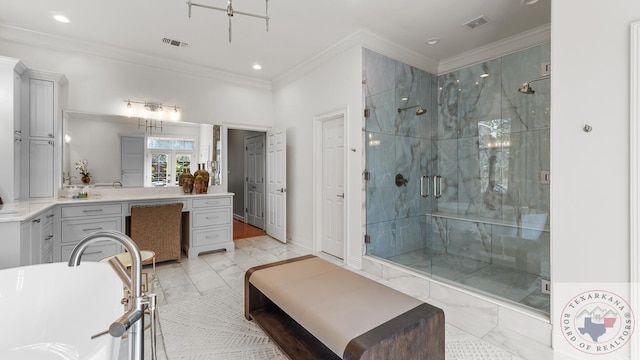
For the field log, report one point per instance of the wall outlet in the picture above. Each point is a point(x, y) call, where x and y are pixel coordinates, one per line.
point(545, 177)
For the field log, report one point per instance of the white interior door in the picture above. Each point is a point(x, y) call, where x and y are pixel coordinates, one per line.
point(132, 161)
point(254, 180)
point(333, 187)
point(276, 180)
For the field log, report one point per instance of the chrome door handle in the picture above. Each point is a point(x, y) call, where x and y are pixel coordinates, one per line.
point(340, 196)
point(422, 193)
point(437, 186)
point(282, 190)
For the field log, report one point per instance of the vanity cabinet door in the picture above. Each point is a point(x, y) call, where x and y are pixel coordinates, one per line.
point(42, 98)
point(40, 168)
point(41, 111)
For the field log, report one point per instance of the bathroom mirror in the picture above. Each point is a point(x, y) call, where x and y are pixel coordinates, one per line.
point(137, 152)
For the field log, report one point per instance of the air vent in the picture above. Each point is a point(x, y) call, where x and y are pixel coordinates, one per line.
point(477, 22)
point(174, 42)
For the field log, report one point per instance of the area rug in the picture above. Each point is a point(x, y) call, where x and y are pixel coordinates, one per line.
point(213, 327)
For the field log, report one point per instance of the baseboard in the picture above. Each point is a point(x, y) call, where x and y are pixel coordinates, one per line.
point(239, 217)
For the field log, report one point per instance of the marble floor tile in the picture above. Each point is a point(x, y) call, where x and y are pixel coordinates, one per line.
point(201, 316)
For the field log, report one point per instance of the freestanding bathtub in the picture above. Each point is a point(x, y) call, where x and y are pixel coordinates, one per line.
point(50, 311)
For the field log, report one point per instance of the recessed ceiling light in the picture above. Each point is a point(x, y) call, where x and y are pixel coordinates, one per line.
point(484, 75)
point(257, 67)
point(61, 18)
point(529, 2)
point(432, 41)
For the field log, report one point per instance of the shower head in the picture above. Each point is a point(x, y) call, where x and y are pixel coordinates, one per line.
point(419, 112)
point(526, 87)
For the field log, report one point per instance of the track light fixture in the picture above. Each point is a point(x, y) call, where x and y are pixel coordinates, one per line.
point(231, 12)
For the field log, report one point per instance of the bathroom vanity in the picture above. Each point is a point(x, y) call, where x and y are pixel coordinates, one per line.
point(34, 233)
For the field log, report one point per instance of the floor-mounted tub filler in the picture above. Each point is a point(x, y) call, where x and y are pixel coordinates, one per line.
point(51, 311)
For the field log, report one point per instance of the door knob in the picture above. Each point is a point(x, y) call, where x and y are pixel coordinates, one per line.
point(341, 196)
point(282, 190)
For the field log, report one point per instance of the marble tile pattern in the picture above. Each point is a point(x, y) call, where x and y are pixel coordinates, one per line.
point(206, 320)
point(489, 144)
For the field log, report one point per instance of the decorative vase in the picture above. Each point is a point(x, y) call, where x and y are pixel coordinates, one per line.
point(187, 181)
point(205, 177)
point(86, 179)
point(181, 177)
point(198, 184)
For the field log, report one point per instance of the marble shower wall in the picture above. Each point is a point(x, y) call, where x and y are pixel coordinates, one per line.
point(397, 143)
point(492, 144)
point(487, 141)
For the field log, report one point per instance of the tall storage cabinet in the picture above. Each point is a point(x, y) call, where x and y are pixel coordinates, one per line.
point(43, 97)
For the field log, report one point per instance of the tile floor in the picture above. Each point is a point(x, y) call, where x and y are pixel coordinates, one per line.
point(184, 287)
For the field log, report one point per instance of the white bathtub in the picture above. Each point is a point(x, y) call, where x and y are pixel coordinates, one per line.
point(50, 311)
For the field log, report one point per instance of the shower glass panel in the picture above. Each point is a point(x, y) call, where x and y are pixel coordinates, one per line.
point(474, 210)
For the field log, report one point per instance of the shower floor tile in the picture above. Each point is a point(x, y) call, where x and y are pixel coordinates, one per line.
point(503, 282)
point(497, 281)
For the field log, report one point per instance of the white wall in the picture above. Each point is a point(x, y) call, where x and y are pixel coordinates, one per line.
point(100, 84)
point(334, 85)
point(590, 171)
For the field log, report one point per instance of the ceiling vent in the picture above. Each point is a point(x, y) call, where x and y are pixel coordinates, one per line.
point(174, 42)
point(477, 22)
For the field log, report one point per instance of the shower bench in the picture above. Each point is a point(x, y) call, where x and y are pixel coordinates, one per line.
point(313, 309)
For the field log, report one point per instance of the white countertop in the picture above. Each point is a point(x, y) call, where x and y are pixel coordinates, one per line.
point(21, 210)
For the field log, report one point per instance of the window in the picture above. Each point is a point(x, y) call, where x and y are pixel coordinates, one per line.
point(494, 143)
point(167, 158)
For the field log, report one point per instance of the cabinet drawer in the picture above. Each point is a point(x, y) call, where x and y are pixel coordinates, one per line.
point(211, 218)
point(211, 236)
point(76, 230)
point(91, 210)
point(47, 243)
point(211, 202)
point(47, 218)
point(96, 252)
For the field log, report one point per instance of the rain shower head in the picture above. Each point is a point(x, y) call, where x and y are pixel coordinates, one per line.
point(526, 87)
point(419, 112)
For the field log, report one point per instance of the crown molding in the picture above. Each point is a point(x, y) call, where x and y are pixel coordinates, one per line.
point(497, 49)
point(27, 37)
point(18, 66)
point(390, 49)
point(362, 38)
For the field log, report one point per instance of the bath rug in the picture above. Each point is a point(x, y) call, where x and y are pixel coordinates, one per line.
point(213, 327)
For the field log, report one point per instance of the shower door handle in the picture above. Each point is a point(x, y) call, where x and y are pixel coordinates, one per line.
point(437, 186)
point(422, 192)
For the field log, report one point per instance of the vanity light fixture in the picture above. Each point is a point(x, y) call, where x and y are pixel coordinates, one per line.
point(231, 12)
point(148, 106)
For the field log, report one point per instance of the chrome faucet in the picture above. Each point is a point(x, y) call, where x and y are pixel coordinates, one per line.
point(132, 320)
point(116, 183)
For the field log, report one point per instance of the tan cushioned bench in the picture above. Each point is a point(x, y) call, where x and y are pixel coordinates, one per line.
point(350, 315)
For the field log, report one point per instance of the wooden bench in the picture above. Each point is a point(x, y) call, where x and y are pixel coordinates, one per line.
point(313, 309)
